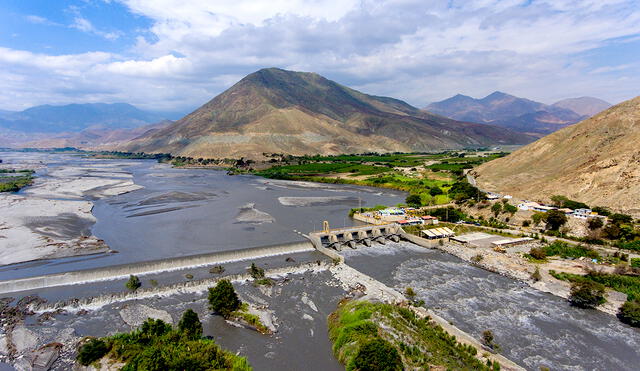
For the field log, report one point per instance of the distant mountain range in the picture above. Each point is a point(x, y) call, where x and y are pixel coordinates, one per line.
point(76, 117)
point(596, 161)
point(278, 111)
point(586, 106)
point(519, 114)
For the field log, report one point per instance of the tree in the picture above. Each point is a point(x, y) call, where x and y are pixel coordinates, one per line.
point(620, 219)
point(601, 211)
point(537, 218)
point(410, 293)
point(496, 208)
point(91, 351)
point(587, 294)
point(377, 355)
point(134, 283)
point(595, 223)
point(436, 191)
point(538, 253)
point(223, 298)
point(611, 231)
point(629, 313)
point(414, 200)
point(190, 325)
point(555, 219)
point(508, 208)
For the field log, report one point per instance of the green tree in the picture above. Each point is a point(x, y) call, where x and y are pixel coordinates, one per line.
point(620, 219)
point(91, 351)
point(434, 191)
point(537, 218)
point(629, 313)
point(587, 294)
point(133, 283)
point(496, 208)
point(377, 355)
point(414, 200)
point(190, 325)
point(508, 208)
point(223, 298)
point(555, 219)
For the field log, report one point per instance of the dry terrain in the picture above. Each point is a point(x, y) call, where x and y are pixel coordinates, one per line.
point(596, 161)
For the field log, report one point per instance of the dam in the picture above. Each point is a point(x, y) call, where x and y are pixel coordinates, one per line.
point(149, 267)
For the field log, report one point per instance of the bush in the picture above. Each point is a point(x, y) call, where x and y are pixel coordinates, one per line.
point(134, 283)
point(536, 276)
point(223, 298)
point(218, 269)
point(489, 340)
point(92, 351)
point(190, 325)
point(256, 272)
point(538, 253)
point(477, 258)
point(595, 223)
point(587, 294)
point(629, 313)
point(377, 355)
point(526, 223)
point(434, 191)
point(410, 293)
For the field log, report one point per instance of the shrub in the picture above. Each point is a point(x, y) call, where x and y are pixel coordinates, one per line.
point(536, 276)
point(587, 294)
point(410, 293)
point(377, 355)
point(223, 298)
point(434, 191)
point(595, 223)
point(91, 351)
point(188, 276)
point(635, 262)
point(629, 313)
point(190, 325)
point(256, 272)
point(134, 283)
point(218, 269)
point(526, 223)
point(477, 258)
point(538, 253)
point(489, 340)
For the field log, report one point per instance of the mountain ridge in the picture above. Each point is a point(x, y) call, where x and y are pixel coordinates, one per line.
point(596, 161)
point(275, 110)
point(506, 110)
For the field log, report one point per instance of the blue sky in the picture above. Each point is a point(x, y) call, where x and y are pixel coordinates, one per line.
point(174, 55)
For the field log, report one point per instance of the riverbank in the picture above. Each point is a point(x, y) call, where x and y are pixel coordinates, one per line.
point(512, 264)
point(53, 217)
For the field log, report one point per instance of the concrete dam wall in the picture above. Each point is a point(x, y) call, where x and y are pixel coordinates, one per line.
point(154, 266)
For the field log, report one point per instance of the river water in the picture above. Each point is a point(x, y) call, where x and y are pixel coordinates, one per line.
point(533, 328)
point(182, 212)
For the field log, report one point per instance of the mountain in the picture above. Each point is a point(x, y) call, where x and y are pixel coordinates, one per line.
point(501, 109)
point(76, 117)
point(596, 161)
point(279, 111)
point(586, 106)
point(91, 138)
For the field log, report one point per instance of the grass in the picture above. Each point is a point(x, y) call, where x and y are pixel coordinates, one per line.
point(565, 250)
point(420, 342)
point(251, 319)
point(15, 183)
point(629, 285)
point(158, 346)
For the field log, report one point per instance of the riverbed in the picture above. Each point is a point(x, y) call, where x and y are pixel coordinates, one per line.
point(148, 211)
point(533, 329)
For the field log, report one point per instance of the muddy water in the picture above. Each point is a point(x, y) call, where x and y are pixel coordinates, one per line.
point(190, 211)
point(533, 329)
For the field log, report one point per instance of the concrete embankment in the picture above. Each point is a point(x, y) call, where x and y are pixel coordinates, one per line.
point(164, 265)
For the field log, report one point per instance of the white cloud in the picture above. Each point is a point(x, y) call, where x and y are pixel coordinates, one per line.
point(418, 50)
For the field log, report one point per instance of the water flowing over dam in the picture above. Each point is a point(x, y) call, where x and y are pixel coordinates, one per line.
point(154, 266)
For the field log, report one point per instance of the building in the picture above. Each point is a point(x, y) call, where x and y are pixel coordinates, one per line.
point(583, 213)
point(428, 219)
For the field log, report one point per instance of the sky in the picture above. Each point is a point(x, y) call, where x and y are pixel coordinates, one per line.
point(175, 55)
